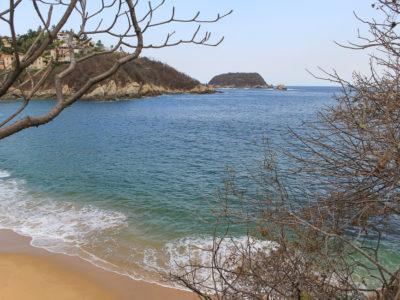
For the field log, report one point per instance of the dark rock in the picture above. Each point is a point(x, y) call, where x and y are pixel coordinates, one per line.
point(239, 80)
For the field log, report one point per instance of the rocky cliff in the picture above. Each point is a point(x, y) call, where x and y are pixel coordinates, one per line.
point(239, 80)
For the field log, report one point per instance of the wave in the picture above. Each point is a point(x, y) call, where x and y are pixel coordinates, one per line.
point(4, 174)
point(76, 229)
point(180, 255)
point(58, 226)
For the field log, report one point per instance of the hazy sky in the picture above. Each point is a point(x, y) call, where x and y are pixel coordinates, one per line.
point(280, 39)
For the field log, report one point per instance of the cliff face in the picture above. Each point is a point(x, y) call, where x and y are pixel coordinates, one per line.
point(239, 80)
point(143, 77)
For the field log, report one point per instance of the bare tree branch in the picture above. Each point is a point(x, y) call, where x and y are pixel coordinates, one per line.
point(123, 12)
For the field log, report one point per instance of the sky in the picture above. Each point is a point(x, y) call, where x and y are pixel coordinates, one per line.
point(280, 39)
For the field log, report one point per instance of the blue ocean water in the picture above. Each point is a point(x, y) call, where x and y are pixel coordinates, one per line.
point(130, 184)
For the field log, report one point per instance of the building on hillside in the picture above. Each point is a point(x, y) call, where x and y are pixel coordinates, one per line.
point(5, 41)
point(60, 52)
point(63, 37)
point(40, 63)
point(5, 58)
point(6, 62)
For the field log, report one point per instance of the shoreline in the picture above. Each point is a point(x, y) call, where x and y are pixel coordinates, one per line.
point(111, 97)
point(28, 272)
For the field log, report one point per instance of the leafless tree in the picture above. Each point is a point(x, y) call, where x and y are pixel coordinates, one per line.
point(125, 21)
point(328, 238)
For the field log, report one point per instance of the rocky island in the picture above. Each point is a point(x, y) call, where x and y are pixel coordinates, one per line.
point(281, 87)
point(239, 80)
point(140, 78)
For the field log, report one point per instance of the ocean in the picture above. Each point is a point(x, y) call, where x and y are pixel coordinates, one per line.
point(130, 185)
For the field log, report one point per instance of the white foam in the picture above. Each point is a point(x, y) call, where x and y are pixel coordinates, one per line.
point(58, 226)
point(69, 228)
point(179, 256)
point(61, 226)
point(4, 174)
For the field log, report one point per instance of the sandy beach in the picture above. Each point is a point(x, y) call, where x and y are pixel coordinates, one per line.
point(31, 273)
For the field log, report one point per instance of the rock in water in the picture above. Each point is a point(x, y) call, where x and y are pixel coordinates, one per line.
point(239, 80)
point(281, 87)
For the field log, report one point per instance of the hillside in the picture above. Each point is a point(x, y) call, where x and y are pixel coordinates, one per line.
point(144, 77)
point(239, 80)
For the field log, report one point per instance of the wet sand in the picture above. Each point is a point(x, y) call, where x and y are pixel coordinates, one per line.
point(31, 273)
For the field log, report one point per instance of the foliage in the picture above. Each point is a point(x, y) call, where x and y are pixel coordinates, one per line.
point(328, 241)
point(143, 71)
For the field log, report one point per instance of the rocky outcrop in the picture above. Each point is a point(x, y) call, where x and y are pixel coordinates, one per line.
point(141, 78)
point(239, 80)
point(281, 87)
point(133, 90)
point(129, 91)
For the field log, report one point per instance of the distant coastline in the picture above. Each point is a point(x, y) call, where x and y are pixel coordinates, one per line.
point(141, 78)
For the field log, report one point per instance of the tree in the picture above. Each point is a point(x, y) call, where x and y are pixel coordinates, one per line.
point(105, 18)
point(326, 240)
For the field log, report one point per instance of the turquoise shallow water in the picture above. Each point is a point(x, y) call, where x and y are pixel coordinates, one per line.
point(130, 184)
